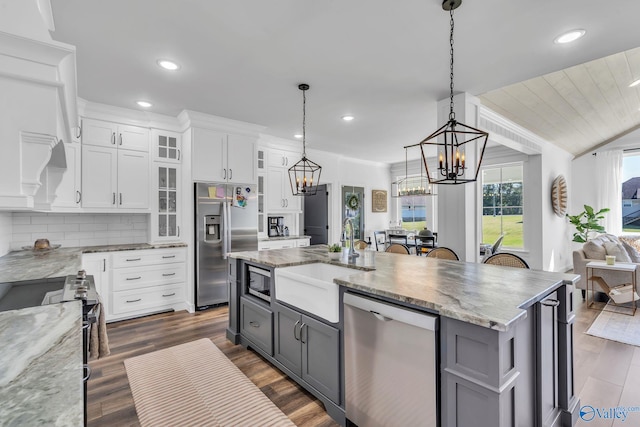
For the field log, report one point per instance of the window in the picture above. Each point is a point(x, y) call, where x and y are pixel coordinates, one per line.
point(414, 212)
point(502, 201)
point(630, 192)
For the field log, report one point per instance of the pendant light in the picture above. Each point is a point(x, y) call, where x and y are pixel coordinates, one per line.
point(454, 138)
point(304, 176)
point(416, 185)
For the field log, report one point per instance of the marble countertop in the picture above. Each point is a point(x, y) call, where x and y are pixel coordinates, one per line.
point(491, 296)
point(290, 237)
point(32, 265)
point(41, 372)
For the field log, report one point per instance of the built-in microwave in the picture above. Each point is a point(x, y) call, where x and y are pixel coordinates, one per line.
point(259, 282)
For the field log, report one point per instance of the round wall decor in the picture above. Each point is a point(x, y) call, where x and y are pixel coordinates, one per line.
point(559, 196)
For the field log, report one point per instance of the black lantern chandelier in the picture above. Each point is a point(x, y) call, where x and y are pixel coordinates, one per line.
point(304, 176)
point(454, 138)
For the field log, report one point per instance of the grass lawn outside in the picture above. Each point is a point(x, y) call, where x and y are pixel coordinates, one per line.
point(511, 227)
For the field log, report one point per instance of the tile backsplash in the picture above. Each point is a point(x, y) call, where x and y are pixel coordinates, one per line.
point(78, 229)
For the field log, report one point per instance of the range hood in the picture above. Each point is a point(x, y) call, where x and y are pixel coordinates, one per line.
point(38, 110)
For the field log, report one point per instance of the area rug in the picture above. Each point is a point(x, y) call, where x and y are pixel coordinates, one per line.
point(617, 326)
point(195, 384)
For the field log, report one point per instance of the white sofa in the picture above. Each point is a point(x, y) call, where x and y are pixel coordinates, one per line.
point(595, 250)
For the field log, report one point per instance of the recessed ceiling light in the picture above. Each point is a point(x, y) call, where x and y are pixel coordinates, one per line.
point(635, 83)
point(569, 36)
point(168, 65)
point(144, 104)
point(347, 118)
point(297, 135)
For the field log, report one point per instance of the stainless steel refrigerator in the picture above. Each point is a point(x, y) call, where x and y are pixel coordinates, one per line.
point(226, 220)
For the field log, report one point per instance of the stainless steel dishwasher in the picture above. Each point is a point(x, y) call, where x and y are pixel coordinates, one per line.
point(390, 364)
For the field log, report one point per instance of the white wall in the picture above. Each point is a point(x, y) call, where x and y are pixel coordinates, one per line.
point(6, 229)
point(583, 190)
point(338, 171)
point(71, 230)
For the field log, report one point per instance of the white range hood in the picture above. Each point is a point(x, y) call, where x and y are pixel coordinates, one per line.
point(38, 107)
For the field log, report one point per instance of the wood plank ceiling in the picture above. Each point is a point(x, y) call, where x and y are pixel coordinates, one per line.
point(580, 108)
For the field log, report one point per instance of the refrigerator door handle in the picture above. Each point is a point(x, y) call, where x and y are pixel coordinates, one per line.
point(225, 233)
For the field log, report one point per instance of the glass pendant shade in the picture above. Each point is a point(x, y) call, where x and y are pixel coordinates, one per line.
point(304, 177)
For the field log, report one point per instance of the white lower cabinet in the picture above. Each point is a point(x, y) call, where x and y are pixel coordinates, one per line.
point(283, 244)
point(140, 282)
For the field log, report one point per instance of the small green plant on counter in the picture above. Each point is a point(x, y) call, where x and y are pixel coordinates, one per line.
point(335, 248)
point(586, 222)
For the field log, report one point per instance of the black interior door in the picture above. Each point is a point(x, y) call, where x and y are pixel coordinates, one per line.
point(316, 216)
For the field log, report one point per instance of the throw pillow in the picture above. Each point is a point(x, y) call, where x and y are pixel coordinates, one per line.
point(631, 251)
point(593, 250)
point(617, 250)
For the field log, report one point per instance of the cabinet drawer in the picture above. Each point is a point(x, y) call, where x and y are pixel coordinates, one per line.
point(148, 257)
point(129, 301)
point(301, 243)
point(144, 277)
point(256, 323)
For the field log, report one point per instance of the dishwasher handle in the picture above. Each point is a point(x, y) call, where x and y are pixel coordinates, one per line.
point(389, 312)
point(380, 316)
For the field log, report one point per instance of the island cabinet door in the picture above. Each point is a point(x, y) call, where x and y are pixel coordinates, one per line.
point(547, 360)
point(288, 346)
point(321, 357)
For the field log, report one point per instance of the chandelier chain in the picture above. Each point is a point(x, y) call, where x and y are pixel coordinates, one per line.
point(304, 122)
point(452, 114)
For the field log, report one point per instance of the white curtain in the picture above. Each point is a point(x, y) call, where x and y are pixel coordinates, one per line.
point(609, 189)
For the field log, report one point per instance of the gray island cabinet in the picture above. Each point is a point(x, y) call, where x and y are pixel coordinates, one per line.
point(504, 343)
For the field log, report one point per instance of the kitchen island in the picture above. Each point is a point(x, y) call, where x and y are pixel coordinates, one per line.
point(505, 338)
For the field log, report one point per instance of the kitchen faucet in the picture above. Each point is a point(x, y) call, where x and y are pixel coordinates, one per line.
point(351, 254)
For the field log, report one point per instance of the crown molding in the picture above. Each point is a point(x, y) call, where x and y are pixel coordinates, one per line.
point(189, 119)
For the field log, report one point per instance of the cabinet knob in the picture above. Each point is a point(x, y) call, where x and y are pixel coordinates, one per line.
point(78, 196)
point(114, 199)
point(230, 173)
point(254, 324)
point(168, 295)
point(113, 138)
point(120, 198)
point(120, 139)
point(87, 369)
point(178, 154)
point(135, 300)
point(550, 302)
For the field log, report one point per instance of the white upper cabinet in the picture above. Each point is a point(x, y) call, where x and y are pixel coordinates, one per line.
point(99, 177)
point(240, 154)
point(279, 196)
point(115, 166)
point(121, 136)
point(207, 155)
point(220, 157)
point(69, 192)
point(166, 146)
point(133, 180)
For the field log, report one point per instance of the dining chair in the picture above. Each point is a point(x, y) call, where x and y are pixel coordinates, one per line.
point(398, 248)
point(360, 244)
point(507, 260)
point(443, 253)
point(380, 237)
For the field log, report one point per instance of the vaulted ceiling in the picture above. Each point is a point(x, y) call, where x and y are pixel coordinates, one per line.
point(578, 108)
point(385, 62)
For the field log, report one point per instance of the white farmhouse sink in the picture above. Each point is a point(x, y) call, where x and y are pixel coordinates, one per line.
point(310, 287)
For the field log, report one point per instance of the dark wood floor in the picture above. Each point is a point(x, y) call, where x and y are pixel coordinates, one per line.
point(607, 373)
point(109, 396)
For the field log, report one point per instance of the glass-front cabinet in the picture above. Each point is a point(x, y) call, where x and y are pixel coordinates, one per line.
point(166, 146)
point(167, 214)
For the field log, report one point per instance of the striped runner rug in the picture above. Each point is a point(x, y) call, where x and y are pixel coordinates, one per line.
point(195, 384)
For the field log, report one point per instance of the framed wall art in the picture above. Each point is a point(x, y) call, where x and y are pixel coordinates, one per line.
point(378, 200)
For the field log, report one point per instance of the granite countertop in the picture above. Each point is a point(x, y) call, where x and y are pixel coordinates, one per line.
point(491, 296)
point(41, 373)
point(32, 265)
point(270, 239)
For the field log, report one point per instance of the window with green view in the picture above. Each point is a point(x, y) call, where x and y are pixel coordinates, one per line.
point(502, 201)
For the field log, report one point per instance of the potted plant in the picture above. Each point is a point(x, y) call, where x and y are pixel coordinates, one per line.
point(335, 251)
point(586, 222)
